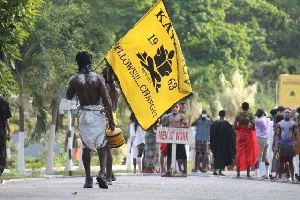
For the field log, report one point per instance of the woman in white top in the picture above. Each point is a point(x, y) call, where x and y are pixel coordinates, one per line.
point(137, 139)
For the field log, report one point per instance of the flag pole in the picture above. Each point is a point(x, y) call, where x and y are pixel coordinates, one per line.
point(99, 64)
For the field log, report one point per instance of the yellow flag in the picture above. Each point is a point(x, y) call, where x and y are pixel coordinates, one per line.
point(150, 66)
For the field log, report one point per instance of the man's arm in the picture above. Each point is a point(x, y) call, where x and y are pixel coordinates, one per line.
point(235, 123)
point(295, 136)
point(184, 121)
point(107, 105)
point(194, 122)
point(7, 126)
point(165, 121)
point(276, 138)
point(70, 90)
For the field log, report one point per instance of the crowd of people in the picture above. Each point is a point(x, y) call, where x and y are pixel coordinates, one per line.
point(251, 141)
point(264, 143)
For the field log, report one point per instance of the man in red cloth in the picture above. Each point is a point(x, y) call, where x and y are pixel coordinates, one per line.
point(247, 148)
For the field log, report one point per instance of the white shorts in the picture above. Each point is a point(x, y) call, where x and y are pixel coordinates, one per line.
point(92, 126)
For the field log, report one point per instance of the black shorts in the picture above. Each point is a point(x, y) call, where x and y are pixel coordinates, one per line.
point(285, 150)
point(180, 151)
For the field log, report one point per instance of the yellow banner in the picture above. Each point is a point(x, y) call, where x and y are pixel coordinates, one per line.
point(150, 66)
point(289, 91)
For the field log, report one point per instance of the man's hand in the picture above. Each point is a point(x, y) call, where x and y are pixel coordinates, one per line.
point(112, 125)
point(295, 150)
point(8, 136)
point(275, 149)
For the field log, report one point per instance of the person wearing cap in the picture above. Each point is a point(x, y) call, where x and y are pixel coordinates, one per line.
point(286, 142)
point(247, 148)
point(92, 94)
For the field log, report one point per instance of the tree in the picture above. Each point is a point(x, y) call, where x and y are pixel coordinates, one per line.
point(235, 93)
point(15, 17)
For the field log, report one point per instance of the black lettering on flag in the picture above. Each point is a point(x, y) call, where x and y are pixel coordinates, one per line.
point(158, 66)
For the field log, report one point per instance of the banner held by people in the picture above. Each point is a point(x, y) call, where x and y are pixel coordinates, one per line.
point(150, 66)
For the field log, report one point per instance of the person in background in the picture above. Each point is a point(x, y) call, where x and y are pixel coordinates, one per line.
point(176, 120)
point(272, 172)
point(222, 144)
point(114, 94)
point(203, 124)
point(297, 120)
point(5, 134)
point(247, 148)
point(286, 142)
point(137, 138)
point(262, 125)
point(277, 118)
point(151, 148)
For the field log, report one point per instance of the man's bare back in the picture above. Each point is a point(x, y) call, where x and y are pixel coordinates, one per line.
point(88, 88)
point(245, 118)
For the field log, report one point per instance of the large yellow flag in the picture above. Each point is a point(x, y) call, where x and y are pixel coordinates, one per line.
point(150, 66)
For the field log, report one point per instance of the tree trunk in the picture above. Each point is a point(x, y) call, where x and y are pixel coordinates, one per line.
point(49, 165)
point(21, 167)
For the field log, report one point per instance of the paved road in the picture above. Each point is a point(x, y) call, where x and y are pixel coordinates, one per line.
point(195, 186)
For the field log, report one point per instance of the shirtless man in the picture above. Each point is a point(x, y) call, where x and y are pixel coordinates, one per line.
point(286, 142)
point(176, 120)
point(91, 91)
point(247, 148)
point(114, 94)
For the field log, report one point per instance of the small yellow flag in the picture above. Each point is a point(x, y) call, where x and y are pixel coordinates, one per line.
point(150, 66)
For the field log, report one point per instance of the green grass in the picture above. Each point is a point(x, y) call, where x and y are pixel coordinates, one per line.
point(19, 176)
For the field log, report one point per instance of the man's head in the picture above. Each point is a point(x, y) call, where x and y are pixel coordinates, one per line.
point(176, 108)
point(298, 110)
point(273, 112)
point(280, 110)
point(183, 107)
point(287, 113)
point(84, 62)
point(260, 112)
point(204, 114)
point(245, 106)
point(222, 113)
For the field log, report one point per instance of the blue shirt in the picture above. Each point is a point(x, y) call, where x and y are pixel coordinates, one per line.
point(203, 129)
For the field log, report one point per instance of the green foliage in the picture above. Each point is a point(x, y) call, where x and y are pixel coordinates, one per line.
point(15, 17)
point(34, 163)
point(8, 85)
point(265, 101)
